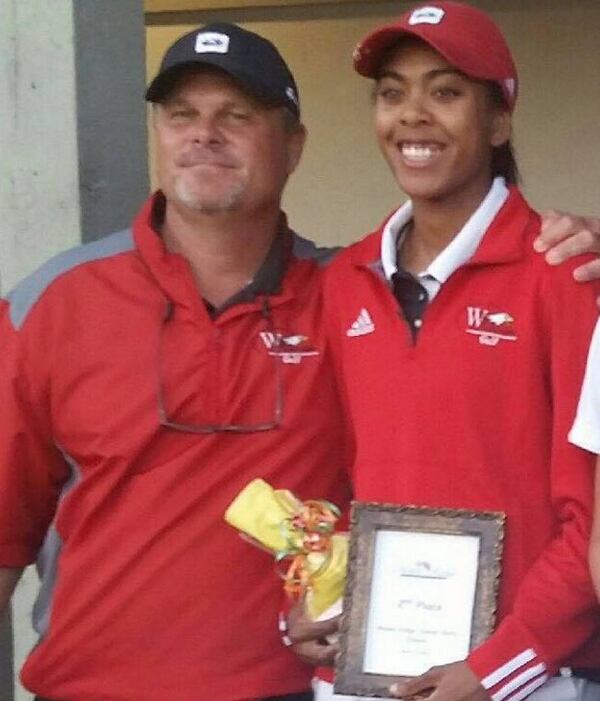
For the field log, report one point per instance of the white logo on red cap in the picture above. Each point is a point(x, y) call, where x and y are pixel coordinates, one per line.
point(212, 43)
point(427, 15)
point(510, 85)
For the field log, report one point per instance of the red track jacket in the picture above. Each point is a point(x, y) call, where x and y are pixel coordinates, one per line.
point(475, 415)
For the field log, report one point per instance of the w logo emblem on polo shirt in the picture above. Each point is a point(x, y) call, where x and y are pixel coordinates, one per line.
point(490, 327)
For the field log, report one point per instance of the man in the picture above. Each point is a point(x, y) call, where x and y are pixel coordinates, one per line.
point(146, 378)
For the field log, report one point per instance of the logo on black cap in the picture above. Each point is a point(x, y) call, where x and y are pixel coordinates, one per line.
point(291, 95)
point(249, 58)
point(212, 42)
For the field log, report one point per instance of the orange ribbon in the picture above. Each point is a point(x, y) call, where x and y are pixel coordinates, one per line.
point(308, 531)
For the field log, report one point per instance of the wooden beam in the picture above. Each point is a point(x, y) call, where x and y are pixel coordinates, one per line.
point(190, 5)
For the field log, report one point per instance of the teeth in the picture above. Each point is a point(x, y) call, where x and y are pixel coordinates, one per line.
point(418, 152)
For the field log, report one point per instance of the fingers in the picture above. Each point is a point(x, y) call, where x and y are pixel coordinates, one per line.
point(317, 654)
point(416, 685)
point(584, 241)
point(302, 629)
point(451, 682)
point(308, 638)
point(555, 227)
point(563, 236)
point(588, 271)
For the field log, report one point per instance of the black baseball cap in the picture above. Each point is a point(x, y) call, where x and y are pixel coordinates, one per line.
point(249, 58)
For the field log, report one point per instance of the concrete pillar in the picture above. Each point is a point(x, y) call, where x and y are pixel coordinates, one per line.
point(111, 127)
point(72, 125)
point(6, 666)
point(73, 162)
point(39, 192)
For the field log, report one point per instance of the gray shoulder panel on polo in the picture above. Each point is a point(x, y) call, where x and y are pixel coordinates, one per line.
point(22, 298)
point(304, 248)
point(49, 555)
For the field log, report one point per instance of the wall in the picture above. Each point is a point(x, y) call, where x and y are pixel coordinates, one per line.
point(39, 197)
point(343, 188)
point(73, 161)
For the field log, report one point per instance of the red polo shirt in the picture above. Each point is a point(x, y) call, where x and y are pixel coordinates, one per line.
point(147, 592)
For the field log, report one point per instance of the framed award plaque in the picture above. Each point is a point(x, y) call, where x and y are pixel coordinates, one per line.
point(421, 591)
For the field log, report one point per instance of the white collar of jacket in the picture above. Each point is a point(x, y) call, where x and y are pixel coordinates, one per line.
point(462, 246)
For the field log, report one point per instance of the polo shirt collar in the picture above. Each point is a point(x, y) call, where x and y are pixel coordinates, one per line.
point(459, 250)
point(269, 277)
point(168, 267)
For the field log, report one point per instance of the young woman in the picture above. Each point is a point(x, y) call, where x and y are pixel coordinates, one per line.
point(461, 352)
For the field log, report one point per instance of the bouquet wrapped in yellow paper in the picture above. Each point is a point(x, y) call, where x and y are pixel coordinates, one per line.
point(298, 533)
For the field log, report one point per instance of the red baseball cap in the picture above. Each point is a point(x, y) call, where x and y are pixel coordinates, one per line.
point(465, 36)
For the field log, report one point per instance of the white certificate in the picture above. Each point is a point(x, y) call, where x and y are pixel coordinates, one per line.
point(421, 601)
point(421, 591)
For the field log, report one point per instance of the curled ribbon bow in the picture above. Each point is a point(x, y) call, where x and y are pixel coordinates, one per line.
point(308, 532)
point(301, 533)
